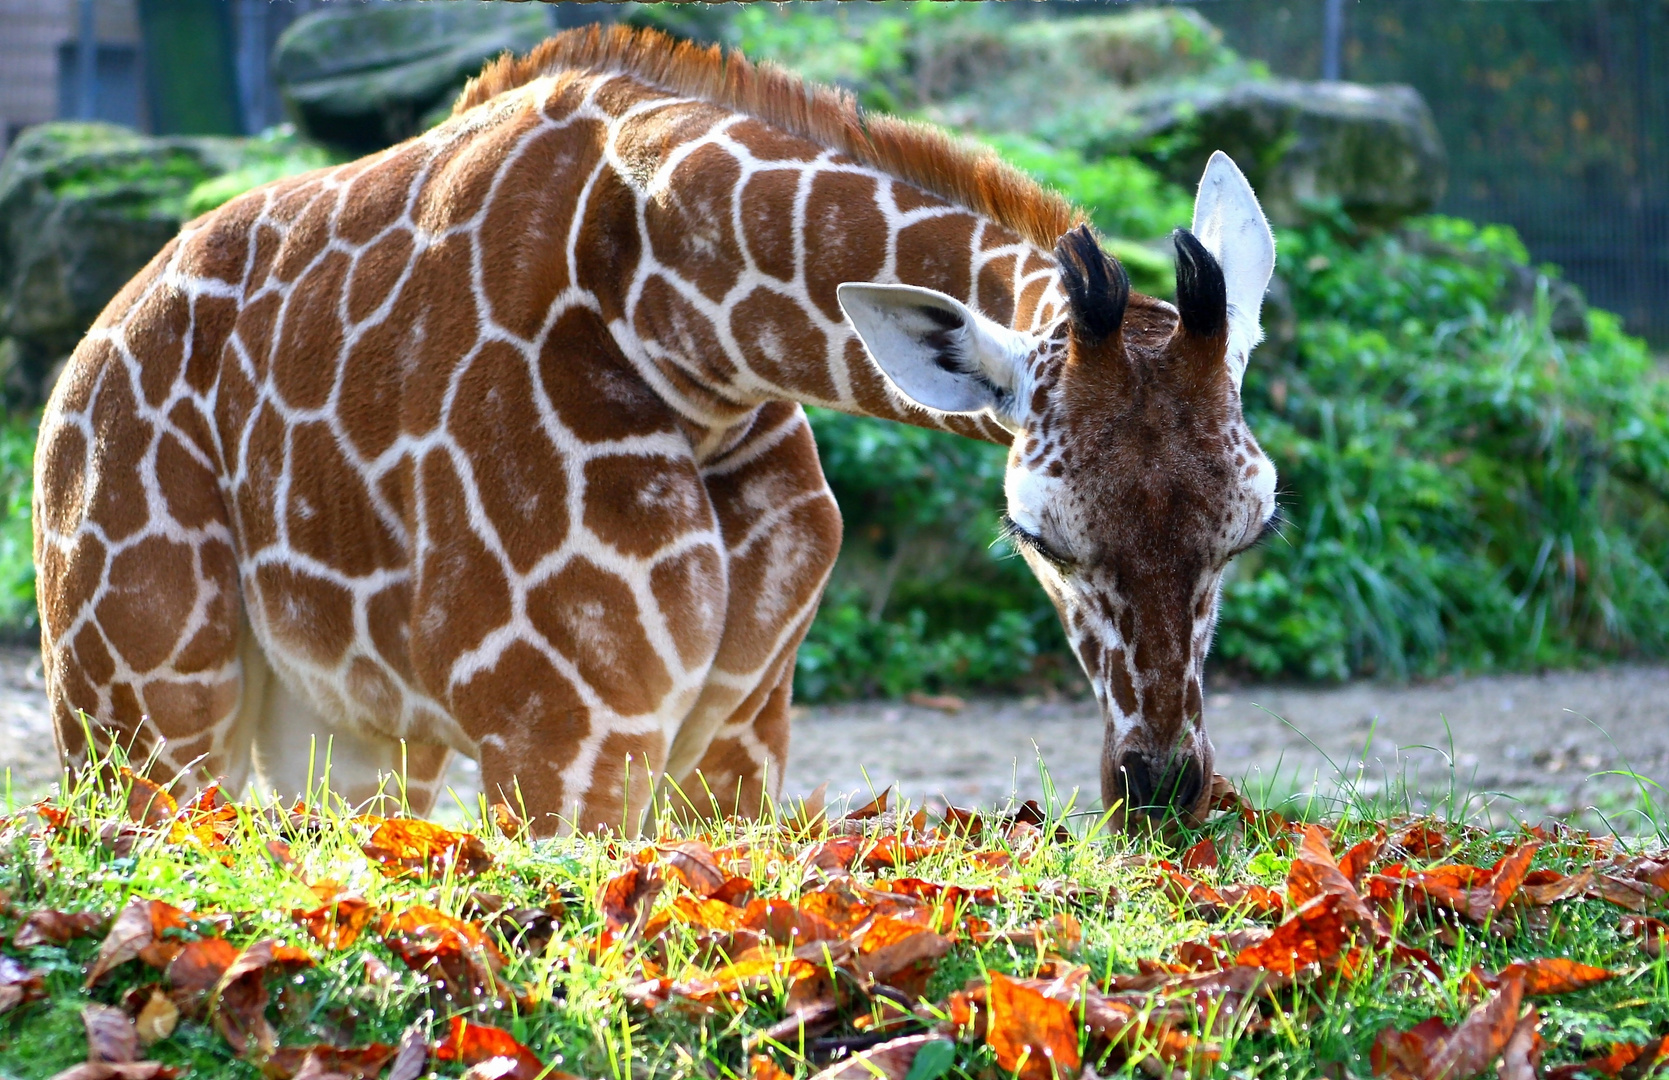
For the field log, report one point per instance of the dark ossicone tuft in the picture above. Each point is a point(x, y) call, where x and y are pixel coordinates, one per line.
point(1201, 296)
point(1097, 287)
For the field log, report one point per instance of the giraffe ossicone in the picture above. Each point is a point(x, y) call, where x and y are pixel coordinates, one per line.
point(492, 442)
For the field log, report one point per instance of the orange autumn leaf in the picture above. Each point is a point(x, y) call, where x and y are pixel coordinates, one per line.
point(1433, 1051)
point(1422, 841)
point(1354, 863)
point(1033, 1036)
point(1489, 898)
point(404, 846)
point(469, 1044)
point(626, 899)
point(1320, 932)
point(1553, 975)
point(199, 966)
point(450, 951)
point(1314, 873)
point(1652, 933)
point(752, 971)
point(1636, 896)
point(706, 914)
point(763, 1067)
point(338, 921)
point(148, 805)
point(1540, 891)
point(1638, 1059)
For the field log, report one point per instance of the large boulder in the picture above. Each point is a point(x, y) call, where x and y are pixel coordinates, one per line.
point(365, 76)
point(82, 208)
point(1161, 85)
point(1372, 150)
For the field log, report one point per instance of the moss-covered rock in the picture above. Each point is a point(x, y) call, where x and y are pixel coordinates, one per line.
point(365, 76)
point(1372, 150)
point(82, 208)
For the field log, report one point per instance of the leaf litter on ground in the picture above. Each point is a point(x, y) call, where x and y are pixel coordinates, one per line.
point(882, 942)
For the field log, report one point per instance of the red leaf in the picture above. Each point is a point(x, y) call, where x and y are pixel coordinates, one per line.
point(1639, 1059)
point(1421, 841)
point(474, 1044)
point(138, 931)
point(627, 898)
point(241, 997)
point(1552, 975)
point(1354, 864)
point(337, 923)
point(199, 967)
point(1202, 856)
point(1033, 1036)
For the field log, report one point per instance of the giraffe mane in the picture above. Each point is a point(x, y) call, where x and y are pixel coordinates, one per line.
point(919, 154)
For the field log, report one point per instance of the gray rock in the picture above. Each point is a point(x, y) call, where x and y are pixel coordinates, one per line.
point(1372, 150)
point(83, 207)
point(365, 76)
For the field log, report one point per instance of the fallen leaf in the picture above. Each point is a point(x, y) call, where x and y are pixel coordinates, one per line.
point(1652, 933)
point(1479, 1039)
point(509, 823)
point(1505, 877)
point(763, 1067)
point(356, 1063)
point(48, 927)
point(1320, 932)
point(891, 1060)
point(19, 984)
point(139, 929)
point(626, 900)
point(1355, 862)
point(1551, 975)
point(874, 808)
point(411, 1059)
point(240, 998)
point(900, 954)
point(1542, 892)
point(404, 846)
point(1421, 841)
point(693, 865)
point(451, 952)
point(1522, 1055)
point(338, 921)
point(477, 1044)
point(110, 1034)
point(199, 967)
point(1202, 856)
point(1314, 873)
point(157, 1018)
point(1636, 896)
point(1033, 1036)
point(945, 703)
point(148, 805)
point(1638, 1059)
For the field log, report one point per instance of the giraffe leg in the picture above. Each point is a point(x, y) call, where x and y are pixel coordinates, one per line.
point(782, 532)
point(297, 748)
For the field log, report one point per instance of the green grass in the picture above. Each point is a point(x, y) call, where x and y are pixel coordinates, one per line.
point(576, 1015)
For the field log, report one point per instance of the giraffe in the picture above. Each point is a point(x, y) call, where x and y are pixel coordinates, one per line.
point(493, 442)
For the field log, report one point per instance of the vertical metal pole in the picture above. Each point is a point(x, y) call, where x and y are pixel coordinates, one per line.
point(1332, 39)
point(86, 64)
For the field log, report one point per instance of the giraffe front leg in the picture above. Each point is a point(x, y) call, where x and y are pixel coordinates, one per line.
point(782, 533)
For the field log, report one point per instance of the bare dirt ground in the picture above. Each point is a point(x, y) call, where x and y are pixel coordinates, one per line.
point(1521, 745)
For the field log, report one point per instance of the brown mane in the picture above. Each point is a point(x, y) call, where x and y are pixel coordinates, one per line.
point(916, 153)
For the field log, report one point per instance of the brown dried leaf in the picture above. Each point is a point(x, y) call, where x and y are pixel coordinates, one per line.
point(890, 1060)
point(355, 1063)
point(1623, 1059)
point(1034, 1037)
point(1636, 896)
point(1320, 932)
point(1542, 892)
point(148, 805)
point(125, 1070)
point(1653, 933)
point(1480, 1038)
point(1354, 863)
point(199, 968)
point(1551, 975)
point(138, 927)
point(48, 927)
point(1523, 1053)
point(692, 863)
point(19, 984)
point(240, 999)
point(449, 951)
point(110, 1034)
point(1202, 856)
point(626, 900)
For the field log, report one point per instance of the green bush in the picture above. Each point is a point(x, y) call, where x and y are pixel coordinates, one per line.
point(17, 566)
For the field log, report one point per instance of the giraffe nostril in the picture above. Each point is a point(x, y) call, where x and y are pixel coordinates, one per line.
point(1138, 783)
point(1158, 786)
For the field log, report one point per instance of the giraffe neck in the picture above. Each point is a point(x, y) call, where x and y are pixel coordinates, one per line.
point(742, 233)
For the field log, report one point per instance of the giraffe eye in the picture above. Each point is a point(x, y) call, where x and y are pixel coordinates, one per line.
point(1021, 537)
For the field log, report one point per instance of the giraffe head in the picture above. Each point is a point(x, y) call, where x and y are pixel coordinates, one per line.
point(1132, 479)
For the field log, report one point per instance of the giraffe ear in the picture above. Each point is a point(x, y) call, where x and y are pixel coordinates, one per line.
point(1230, 225)
point(937, 351)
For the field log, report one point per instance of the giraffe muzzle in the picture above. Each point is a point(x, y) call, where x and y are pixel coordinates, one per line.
point(1155, 787)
